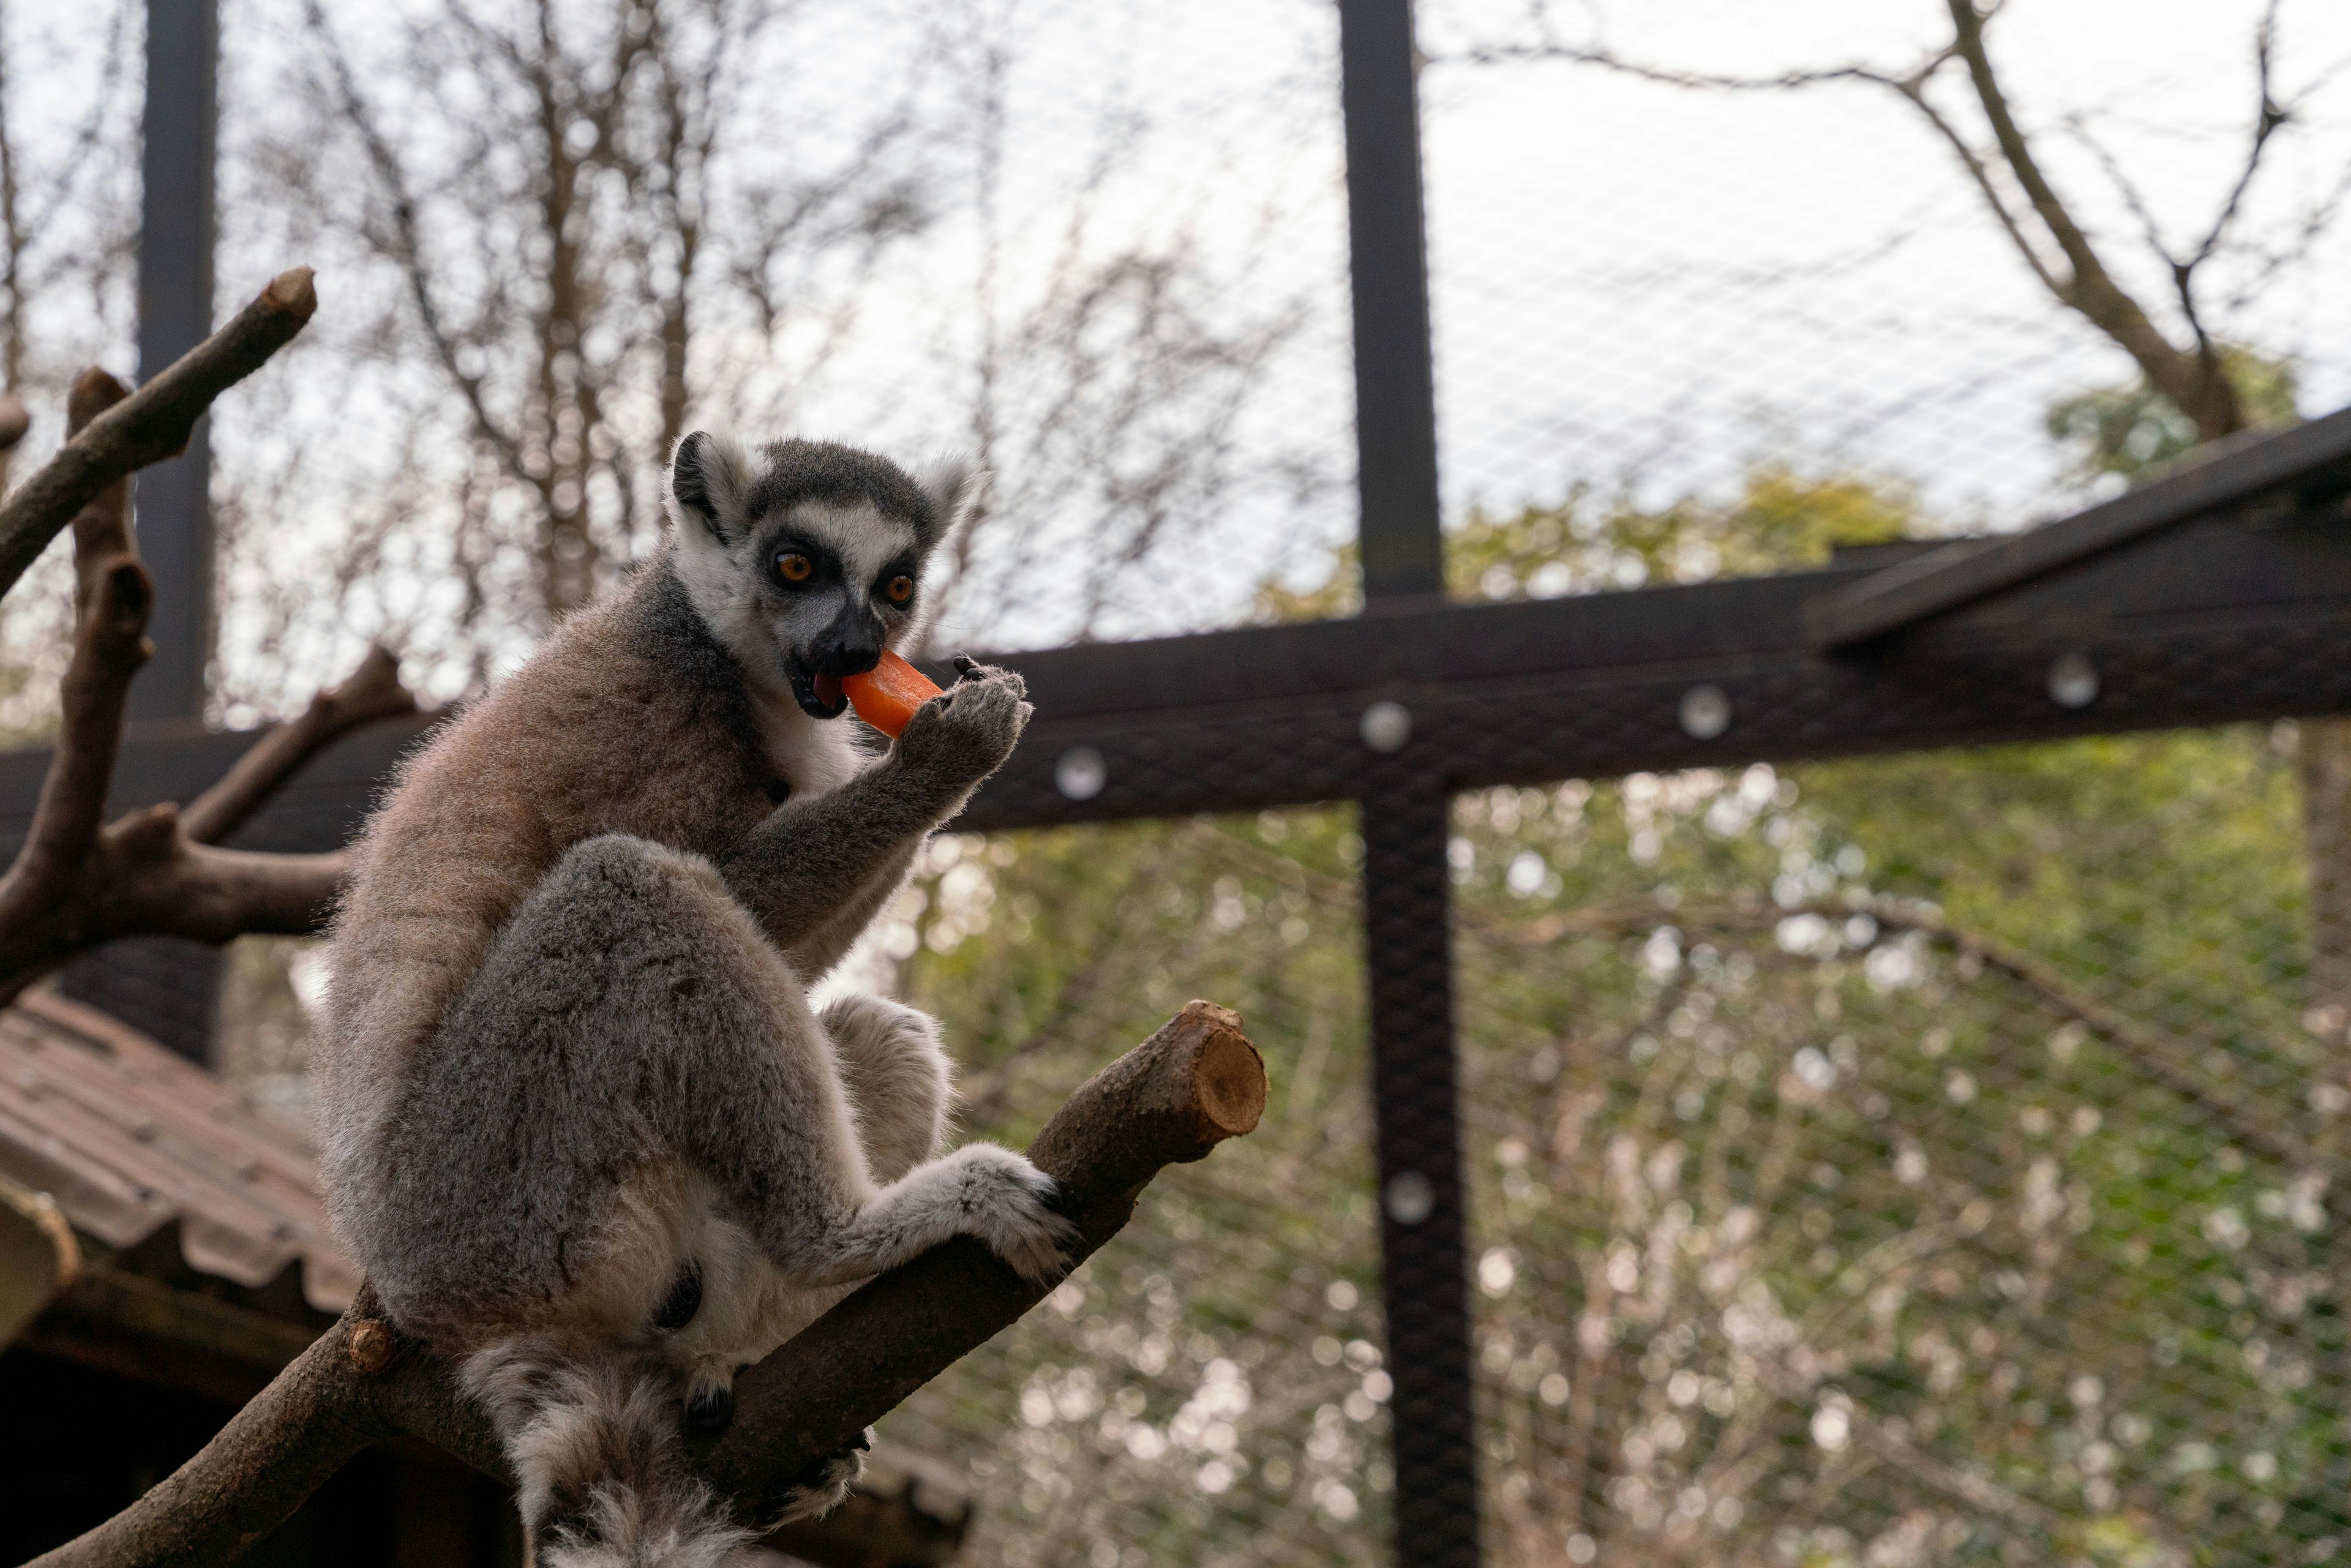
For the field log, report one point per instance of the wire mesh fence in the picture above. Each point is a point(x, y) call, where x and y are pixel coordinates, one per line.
point(1212, 1390)
point(1905, 1162)
point(1914, 1161)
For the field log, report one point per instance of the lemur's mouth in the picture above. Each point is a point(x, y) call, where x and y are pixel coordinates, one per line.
point(820, 696)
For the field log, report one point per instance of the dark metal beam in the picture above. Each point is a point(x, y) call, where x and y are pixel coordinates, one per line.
point(167, 988)
point(2300, 465)
point(1406, 819)
point(1395, 386)
point(1409, 951)
point(175, 313)
point(2213, 624)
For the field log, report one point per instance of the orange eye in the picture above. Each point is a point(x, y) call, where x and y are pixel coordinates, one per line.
point(899, 590)
point(794, 568)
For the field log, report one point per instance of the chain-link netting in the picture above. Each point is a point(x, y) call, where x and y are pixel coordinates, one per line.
point(1210, 1389)
point(1913, 1161)
point(1678, 249)
point(1906, 1162)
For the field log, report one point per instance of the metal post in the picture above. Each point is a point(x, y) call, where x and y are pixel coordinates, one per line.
point(1405, 812)
point(175, 313)
point(165, 985)
point(1395, 387)
point(1409, 943)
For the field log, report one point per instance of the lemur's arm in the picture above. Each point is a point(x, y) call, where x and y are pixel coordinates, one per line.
point(816, 953)
point(803, 870)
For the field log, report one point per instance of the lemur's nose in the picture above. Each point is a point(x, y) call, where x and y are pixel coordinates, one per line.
point(851, 645)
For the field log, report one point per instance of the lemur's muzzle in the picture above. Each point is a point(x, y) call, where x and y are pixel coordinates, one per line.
point(849, 646)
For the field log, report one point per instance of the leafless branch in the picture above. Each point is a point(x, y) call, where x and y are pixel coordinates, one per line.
point(2193, 378)
point(79, 881)
point(152, 423)
point(1169, 1101)
point(372, 692)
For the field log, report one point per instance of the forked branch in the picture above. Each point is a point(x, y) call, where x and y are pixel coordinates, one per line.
point(79, 881)
point(1169, 1101)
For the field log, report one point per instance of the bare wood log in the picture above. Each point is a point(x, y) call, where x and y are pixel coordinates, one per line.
point(1169, 1101)
point(152, 423)
point(1172, 1099)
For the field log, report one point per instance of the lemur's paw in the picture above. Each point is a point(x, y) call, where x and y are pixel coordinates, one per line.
point(710, 1395)
point(968, 730)
point(817, 1490)
point(1008, 1204)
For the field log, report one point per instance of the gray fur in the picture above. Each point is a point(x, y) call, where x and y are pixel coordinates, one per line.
point(570, 1078)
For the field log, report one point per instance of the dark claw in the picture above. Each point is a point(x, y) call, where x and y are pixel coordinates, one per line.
point(713, 1411)
point(863, 1441)
point(966, 666)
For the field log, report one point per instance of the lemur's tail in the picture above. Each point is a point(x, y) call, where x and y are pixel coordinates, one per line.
point(594, 1441)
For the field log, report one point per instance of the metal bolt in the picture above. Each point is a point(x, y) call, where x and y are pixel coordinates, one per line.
point(1410, 1198)
point(2073, 680)
point(1705, 712)
point(1080, 773)
point(1386, 726)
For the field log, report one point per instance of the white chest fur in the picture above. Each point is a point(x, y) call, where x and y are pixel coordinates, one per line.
point(815, 756)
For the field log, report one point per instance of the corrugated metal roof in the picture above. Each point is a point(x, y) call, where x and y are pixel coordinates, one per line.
point(128, 1137)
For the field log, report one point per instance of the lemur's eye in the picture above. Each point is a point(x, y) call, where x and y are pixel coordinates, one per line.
point(899, 588)
point(794, 567)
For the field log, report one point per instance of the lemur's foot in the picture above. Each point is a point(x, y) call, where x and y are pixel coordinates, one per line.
point(710, 1395)
point(1008, 1203)
point(817, 1490)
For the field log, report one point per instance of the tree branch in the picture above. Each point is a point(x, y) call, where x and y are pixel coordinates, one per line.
point(371, 692)
point(1169, 1101)
point(152, 423)
point(2193, 378)
point(79, 881)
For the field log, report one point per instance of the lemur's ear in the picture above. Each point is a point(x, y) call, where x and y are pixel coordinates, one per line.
point(957, 487)
point(709, 480)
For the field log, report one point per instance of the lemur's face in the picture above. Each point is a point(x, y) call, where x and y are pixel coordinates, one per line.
point(807, 559)
point(837, 584)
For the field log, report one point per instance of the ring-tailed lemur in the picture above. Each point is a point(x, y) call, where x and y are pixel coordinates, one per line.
point(583, 1132)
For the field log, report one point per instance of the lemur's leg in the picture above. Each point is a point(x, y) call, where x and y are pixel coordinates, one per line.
point(899, 1078)
point(631, 1014)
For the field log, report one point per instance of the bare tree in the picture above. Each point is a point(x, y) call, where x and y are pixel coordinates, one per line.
point(2005, 164)
point(78, 881)
point(555, 247)
point(2178, 339)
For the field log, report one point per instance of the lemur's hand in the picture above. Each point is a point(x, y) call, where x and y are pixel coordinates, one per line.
point(963, 733)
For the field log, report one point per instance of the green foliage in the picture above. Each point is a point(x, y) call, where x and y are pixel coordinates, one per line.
point(1850, 1147)
point(2127, 430)
point(1781, 518)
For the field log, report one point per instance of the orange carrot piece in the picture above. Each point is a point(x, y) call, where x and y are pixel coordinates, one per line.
point(886, 696)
